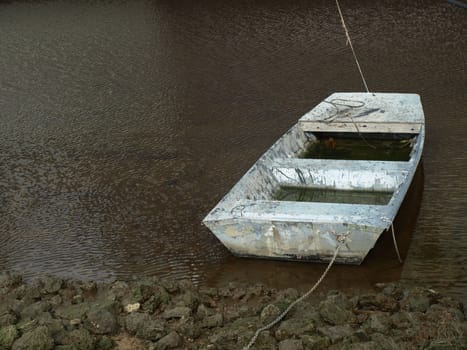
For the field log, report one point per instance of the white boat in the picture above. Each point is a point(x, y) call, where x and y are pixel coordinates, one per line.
point(343, 169)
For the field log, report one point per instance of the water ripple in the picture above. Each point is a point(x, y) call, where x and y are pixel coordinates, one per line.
point(123, 122)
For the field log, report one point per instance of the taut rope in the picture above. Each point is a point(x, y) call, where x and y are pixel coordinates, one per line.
point(349, 41)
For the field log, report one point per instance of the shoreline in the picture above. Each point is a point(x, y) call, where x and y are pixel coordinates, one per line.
point(54, 313)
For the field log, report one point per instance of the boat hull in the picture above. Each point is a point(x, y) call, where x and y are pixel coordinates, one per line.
point(297, 241)
point(251, 222)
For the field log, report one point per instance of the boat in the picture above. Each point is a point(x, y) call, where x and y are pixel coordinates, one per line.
point(342, 170)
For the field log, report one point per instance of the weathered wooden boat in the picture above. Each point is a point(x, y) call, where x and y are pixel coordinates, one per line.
point(343, 169)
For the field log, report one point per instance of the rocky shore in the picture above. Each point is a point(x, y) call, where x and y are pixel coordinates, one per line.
point(51, 313)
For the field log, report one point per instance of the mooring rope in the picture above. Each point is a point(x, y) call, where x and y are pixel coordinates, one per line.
point(341, 239)
point(393, 238)
point(349, 41)
point(347, 103)
point(341, 102)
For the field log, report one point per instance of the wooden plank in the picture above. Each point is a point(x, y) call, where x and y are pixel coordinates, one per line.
point(338, 126)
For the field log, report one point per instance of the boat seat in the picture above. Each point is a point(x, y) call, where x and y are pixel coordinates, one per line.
point(340, 174)
point(271, 210)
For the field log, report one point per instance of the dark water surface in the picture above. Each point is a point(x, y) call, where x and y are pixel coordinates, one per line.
point(122, 123)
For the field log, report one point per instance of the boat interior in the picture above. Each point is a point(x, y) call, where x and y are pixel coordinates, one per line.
point(335, 168)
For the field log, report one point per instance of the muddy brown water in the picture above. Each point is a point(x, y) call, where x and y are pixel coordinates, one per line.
point(122, 123)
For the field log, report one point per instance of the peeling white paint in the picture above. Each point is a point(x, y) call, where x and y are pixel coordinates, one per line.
point(250, 223)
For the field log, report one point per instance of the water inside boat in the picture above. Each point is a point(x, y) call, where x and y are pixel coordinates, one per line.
point(360, 148)
point(308, 194)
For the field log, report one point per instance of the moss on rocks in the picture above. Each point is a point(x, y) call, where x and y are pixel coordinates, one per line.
point(74, 315)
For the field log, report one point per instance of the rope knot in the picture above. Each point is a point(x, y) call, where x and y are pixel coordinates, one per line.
point(342, 238)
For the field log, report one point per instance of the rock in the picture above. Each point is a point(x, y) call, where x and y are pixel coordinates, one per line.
point(404, 320)
point(144, 326)
point(56, 300)
point(9, 280)
point(225, 292)
point(151, 304)
point(384, 342)
point(203, 311)
point(212, 321)
point(37, 339)
point(378, 322)
point(185, 284)
point(369, 345)
point(75, 322)
point(67, 293)
point(135, 320)
point(376, 302)
point(152, 297)
point(209, 291)
point(223, 336)
point(25, 326)
point(31, 311)
point(289, 294)
point(265, 340)
point(101, 321)
point(188, 327)
point(29, 293)
point(170, 286)
point(65, 347)
point(334, 310)
point(393, 290)
point(368, 302)
point(315, 342)
point(77, 299)
point(51, 285)
point(444, 344)
point(177, 312)
point(256, 290)
point(395, 318)
point(88, 287)
point(170, 341)
point(292, 328)
point(118, 290)
point(72, 312)
point(8, 318)
point(190, 299)
point(450, 302)
point(238, 293)
point(360, 336)
point(245, 311)
point(231, 313)
point(80, 338)
point(291, 344)
point(269, 313)
point(309, 313)
point(152, 330)
point(105, 343)
point(53, 325)
point(415, 300)
point(336, 333)
point(438, 312)
point(7, 336)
